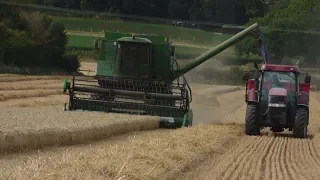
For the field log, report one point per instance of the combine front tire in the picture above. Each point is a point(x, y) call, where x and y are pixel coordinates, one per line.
point(252, 124)
point(300, 129)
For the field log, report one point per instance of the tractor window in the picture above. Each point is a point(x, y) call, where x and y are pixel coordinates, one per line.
point(286, 80)
point(133, 59)
point(282, 76)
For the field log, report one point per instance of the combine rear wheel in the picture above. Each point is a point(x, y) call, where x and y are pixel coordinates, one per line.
point(252, 124)
point(300, 129)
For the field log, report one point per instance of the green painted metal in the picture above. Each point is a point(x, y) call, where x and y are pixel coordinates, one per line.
point(66, 85)
point(188, 118)
point(161, 53)
point(105, 64)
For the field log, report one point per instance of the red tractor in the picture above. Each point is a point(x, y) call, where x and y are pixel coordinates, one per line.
point(275, 98)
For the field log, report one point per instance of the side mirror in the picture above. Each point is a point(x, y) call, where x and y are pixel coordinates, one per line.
point(245, 76)
point(307, 79)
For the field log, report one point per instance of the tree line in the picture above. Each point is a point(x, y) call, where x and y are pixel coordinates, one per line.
point(226, 11)
point(292, 33)
point(32, 39)
point(287, 23)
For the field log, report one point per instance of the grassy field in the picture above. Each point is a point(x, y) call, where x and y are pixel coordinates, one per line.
point(84, 43)
point(178, 33)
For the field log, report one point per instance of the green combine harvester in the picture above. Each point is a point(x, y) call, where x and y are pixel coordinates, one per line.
point(138, 74)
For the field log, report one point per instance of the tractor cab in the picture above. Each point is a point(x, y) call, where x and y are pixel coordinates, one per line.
point(277, 98)
point(133, 57)
point(279, 83)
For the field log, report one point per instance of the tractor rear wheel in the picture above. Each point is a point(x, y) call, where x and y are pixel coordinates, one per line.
point(252, 125)
point(300, 129)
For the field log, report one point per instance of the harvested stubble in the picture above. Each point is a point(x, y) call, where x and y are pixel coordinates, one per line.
point(31, 128)
point(35, 101)
point(269, 156)
point(35, 84)
point(15, 78)
point(161, 154)
point(19, 94)
point(8, 75)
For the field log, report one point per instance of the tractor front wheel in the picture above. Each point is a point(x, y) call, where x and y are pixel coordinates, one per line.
point(252, 125)
point(300, 129)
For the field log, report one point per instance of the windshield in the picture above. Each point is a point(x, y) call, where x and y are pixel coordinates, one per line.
point(285, 80)
point(282, 76)
point(133, 59)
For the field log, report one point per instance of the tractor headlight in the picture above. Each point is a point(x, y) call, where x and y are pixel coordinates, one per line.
point(277, 105)
point(277, 101)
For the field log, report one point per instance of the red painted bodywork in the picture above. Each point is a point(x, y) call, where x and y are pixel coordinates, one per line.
point(303, 96)
point(250, 90)
point(305, 88)
point(278, 92)
point(277, 67)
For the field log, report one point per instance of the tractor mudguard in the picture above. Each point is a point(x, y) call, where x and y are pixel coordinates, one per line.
point(305, 87)
point(251, 96)
point(303, 99)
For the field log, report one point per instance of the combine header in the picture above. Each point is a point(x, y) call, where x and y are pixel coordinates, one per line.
point(140, 75)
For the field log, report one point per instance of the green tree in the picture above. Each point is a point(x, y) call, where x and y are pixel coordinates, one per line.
point(33, 40)
point(3, 41)
point(280, 30)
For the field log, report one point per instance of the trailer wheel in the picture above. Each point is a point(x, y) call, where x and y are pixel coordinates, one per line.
point(251, 122)
point(300, 129)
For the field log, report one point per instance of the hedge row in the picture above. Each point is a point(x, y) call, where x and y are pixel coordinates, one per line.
point(33, 40)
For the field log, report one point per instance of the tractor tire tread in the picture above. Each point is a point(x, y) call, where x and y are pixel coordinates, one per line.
point(251, 121)
point(301, 120)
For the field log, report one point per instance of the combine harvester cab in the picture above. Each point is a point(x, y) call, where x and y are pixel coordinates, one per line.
point(138, 74)
point(275, 98)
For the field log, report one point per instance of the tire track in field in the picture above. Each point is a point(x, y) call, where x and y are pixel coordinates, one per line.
point(229, 161)
point(245, 165)
point(310, 158)
point(236, 164)
point(261, 160)
point(289, 172)
point(314, 154)
point(268, 158)
point(296, 156)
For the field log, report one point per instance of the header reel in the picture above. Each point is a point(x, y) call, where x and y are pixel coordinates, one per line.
point(118, 95)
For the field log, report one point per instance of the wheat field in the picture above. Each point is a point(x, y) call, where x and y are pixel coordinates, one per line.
point(147, 148)
point(93, 145)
